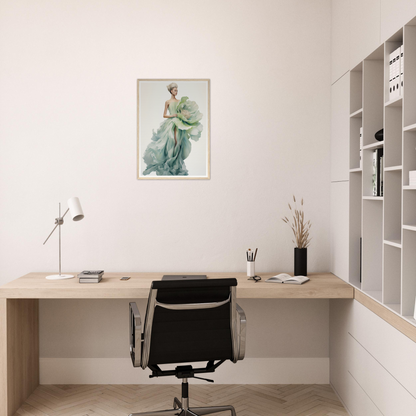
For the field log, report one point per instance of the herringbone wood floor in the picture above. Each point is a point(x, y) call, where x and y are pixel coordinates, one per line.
point(121, 400)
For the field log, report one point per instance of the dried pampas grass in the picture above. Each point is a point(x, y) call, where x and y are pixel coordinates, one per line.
point(299, 227)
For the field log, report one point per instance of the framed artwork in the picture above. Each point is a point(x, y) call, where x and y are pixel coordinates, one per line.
point(173, 129)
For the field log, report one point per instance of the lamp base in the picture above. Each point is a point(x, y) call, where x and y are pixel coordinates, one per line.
point(60, 276)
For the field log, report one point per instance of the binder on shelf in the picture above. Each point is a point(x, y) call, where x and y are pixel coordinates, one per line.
point(391, 57)
point(401, 69)
point(397, 72)
point(394, 74)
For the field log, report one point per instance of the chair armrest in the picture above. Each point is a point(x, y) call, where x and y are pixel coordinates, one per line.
point(135, 335)
point(241, 331)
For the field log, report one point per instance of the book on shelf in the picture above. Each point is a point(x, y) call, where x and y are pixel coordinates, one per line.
point(377, 174)
point(381, 170)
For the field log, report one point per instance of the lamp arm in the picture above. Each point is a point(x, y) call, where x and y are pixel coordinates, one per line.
point(58, 221)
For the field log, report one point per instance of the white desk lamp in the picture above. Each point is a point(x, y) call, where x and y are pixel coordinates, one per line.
point(74, 208)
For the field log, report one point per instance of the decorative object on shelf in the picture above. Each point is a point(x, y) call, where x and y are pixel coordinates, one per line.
point(74, 208)
point(379, 135)
point(175, 145)
point(302, 240)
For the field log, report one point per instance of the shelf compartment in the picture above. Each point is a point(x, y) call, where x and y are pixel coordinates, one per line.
point(409, 155)
point(355, 215)
point(355, 125)
point(368, 172)
point(409, 273)
point(372, 246)
point(392, 205)
point(409, 209)
point(393, 131)
point(373, 104)
point(409, 108)
point(356, 89)
point(392, 275)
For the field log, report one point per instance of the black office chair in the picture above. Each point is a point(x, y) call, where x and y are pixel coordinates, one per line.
point(186, 322)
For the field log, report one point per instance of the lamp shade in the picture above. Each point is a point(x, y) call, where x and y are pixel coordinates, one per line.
point(75, 209)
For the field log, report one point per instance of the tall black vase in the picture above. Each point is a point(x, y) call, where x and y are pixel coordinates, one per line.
point(301, 261)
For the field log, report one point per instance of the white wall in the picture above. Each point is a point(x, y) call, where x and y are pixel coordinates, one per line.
point(360, 26)
point(68, 128)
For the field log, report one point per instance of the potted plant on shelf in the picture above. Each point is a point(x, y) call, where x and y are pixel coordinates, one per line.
point(302, 239)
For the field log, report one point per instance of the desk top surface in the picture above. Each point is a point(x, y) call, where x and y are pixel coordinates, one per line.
point(35, 286)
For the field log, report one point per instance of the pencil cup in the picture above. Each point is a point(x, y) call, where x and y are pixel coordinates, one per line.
point(251, 269)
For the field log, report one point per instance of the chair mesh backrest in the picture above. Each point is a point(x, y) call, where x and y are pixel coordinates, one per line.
point(181, 336)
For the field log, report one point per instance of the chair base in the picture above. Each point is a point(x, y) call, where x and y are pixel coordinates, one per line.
point(179, 410)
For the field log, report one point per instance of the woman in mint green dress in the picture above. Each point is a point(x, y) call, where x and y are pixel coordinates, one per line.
point(170, 144)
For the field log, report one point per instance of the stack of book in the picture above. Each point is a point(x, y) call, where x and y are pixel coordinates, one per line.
point(378, 172)
point(412, 178)
point(396, 63)
point(91, 276)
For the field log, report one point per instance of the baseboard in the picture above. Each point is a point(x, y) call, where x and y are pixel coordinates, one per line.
point(248, 371)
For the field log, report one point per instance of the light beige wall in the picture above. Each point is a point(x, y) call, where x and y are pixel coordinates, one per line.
point(68, 128)
point(359, 27)
point(68, 108)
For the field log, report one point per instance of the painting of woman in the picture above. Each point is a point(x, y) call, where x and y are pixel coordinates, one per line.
point(171, 144)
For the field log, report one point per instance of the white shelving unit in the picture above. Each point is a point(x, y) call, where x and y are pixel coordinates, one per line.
point(384, 227)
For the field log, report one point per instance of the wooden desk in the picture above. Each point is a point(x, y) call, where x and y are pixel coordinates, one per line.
point(19, 315)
